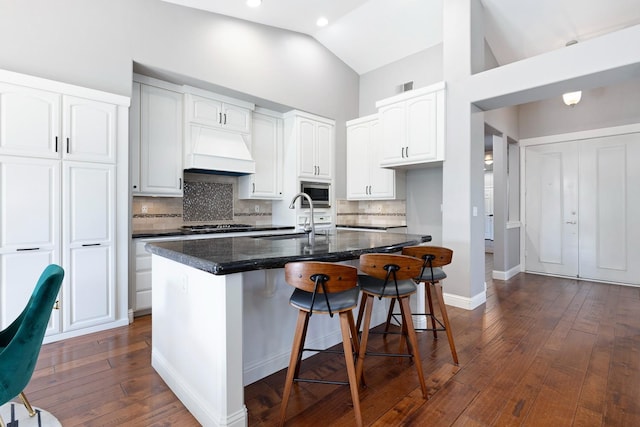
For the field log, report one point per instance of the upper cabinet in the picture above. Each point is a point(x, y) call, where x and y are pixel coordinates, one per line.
point(314, 137)
point(366, 180)
point(29, 121)
point(44, 124)
point(156, 141)
point(217, 113)
point(412, 127)
point(266, 150)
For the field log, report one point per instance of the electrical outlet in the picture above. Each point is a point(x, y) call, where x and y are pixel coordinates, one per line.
point(144, 209)
point(257, 208)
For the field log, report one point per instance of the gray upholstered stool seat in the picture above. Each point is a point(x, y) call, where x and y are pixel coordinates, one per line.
point(338, 301)
point(377, 286)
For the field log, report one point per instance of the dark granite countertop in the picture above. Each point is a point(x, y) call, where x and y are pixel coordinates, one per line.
point(229, 255)
point(370, 227)
point(186, 232)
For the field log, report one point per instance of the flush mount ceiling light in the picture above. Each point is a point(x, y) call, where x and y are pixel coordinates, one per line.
point(572, 98)
point(254, 3)
point(488, 159)
point(322, 22)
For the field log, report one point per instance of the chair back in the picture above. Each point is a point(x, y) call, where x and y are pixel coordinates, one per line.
point(383, 266)
point(433, 256)
point(320, 278)
point(21, 341)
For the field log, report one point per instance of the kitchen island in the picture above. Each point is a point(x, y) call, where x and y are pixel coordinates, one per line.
point(221, 317)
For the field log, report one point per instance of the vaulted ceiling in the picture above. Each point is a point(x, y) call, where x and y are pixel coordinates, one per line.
point(367, 34)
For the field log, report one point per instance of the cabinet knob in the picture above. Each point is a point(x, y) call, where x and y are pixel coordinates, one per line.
point(56, 306)
point(403, 152)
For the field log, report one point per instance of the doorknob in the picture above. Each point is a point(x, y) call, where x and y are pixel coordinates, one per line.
point(572, 222)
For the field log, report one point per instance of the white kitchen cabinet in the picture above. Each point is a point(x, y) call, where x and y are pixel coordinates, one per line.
point(88, 201)
point(156, 141)
point(40, 123)
point(89, 130)
point(29, 121)
point(29, 231)
point(217, 113)
point(412, 127)
point(366, 180)
point(266, 150)
point(58, 159)
point(314, 137)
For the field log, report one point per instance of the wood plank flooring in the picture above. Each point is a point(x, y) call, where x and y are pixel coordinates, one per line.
point(541, 352)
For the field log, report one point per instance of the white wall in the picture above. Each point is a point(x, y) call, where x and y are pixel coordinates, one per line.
point(92, 43)
point(599, 108)
point(422, 68)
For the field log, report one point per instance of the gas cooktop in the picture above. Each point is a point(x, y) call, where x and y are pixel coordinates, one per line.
point(207, 228)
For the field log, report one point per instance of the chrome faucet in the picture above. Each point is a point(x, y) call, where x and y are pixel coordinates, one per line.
point(311, 229)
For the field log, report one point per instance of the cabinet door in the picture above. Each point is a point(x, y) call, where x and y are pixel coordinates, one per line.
point(89, 130)
point(134, 138)
point(29, 203)
point(29, 230)
point(266, 148)
point(323, 150)
point(88, 244)
point(236, 118)
point(306, 143)
point(19, 273)
point(382, 181)
point(160, 141)
point(29, 121)
point(421, 129)
point(358, 164)
point(392, 133)
point(204, 111)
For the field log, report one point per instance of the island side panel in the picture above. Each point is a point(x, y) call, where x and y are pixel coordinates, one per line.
point(197, 340)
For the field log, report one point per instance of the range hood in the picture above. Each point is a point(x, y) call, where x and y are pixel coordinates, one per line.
point(211, 150)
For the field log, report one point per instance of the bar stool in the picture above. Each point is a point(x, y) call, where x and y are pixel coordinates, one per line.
point(323, 288)
point(434, 258)
point(389, 276)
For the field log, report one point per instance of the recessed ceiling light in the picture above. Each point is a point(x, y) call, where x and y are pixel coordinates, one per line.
point(322, 22)
point(254, 3)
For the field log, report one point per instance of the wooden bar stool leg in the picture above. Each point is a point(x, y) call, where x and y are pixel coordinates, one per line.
point(368, 302)
point(431, 315)
point(346, 326)
point(403, 334)
point(389, 314)
point(445, 320)
point(302, 340)
point(361, 311)
point(355, 342)
point(293, 362)
point(406, 319)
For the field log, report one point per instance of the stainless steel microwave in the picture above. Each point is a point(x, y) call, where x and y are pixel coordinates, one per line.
point(320, 193)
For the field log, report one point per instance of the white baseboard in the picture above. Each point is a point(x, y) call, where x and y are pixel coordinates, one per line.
point(505, 275)
point(466, 302)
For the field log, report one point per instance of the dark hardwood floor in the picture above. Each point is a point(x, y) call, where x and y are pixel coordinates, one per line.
point(541, 352)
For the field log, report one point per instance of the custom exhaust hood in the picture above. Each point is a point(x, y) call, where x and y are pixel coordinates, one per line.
point(210, 150)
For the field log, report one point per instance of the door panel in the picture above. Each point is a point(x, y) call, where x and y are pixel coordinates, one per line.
point(551, 209)
point(610, 209)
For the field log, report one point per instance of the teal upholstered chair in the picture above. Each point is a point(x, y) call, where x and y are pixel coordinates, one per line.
point(20, 342)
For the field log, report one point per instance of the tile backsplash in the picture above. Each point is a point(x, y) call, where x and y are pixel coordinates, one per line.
point(383, 213)
point(206, 199)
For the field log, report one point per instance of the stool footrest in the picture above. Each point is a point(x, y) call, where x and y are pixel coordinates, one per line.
point(310, 380)
point(432, 316)
point(389, 354)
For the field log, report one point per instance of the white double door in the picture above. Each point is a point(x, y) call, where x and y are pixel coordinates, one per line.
point(582, 209)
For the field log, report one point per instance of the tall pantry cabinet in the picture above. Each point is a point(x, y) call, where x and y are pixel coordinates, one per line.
point(61, 151)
